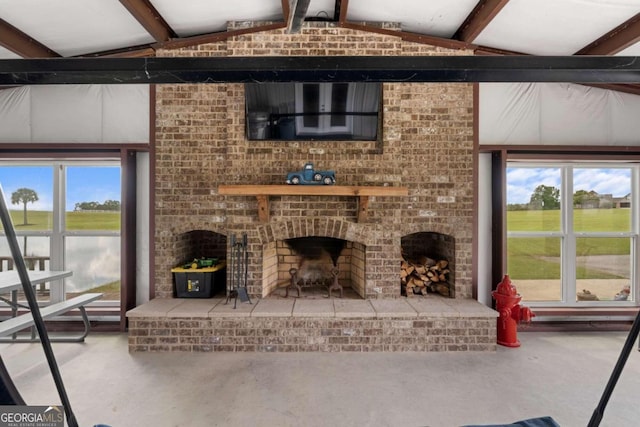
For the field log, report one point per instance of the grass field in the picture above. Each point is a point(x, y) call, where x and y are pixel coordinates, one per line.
point(43, 220)
point(539, 257)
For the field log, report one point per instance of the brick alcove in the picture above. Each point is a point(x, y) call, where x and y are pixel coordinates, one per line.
point(434, 245)
point(199, 244)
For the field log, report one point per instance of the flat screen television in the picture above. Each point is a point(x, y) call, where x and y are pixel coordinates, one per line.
point(313, 111)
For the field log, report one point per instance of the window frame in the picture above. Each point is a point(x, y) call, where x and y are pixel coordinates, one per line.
point(568, 235)
point(58, 233)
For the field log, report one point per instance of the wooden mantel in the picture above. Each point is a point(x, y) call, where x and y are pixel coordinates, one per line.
point(262, 193)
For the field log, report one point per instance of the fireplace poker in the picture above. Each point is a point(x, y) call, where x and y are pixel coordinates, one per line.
point(239, 270)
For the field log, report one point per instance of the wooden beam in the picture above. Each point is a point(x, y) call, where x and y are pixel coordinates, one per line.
point(286, 10)
point(217, 37)
point(408, 36)
point(263, 208)
point(478, 19)
point(22, 44)
point(340, 12)
point(363, 208)
point(616, 40)
point(296, 17)
point(144, 51)
point(149, 18)
point(619, 87)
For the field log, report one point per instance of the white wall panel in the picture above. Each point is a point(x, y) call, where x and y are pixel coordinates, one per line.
point(556, 114)
point(509, 113)
point(125, 113)
point(15, 116)
point(66, 113)
point(75, 114)
point(625, 117)
point(571, 113)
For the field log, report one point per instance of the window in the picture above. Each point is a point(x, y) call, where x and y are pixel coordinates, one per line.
point(311, 111)
point(572, 234)
point(67, 216)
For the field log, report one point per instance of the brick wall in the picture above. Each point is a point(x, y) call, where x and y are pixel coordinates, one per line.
point(426, 145)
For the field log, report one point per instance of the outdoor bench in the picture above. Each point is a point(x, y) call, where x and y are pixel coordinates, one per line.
point(15, 324)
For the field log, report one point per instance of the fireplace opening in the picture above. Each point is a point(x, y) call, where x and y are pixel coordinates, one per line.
point(428, 264)
point(314, 267)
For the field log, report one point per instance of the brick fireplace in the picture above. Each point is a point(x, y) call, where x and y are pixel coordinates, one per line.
point(425, 145)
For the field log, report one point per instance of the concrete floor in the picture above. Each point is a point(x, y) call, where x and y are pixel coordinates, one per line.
point(559, 374)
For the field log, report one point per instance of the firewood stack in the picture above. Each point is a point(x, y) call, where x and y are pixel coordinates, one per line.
point(424, 275)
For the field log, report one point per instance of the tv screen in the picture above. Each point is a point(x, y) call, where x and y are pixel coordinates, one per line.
point(312, 111)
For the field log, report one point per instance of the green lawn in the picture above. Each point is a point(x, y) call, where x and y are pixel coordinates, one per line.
point(539, 257)
point(43, 220)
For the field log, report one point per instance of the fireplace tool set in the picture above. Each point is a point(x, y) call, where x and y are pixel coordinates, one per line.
point(237, 287)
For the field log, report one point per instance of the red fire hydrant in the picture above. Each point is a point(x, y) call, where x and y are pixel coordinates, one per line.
point(511, 312)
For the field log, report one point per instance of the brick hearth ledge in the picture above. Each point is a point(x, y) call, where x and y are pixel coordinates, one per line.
point(329, 325)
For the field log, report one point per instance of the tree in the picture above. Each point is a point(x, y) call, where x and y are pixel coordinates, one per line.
point(585, 199)
point(24, 196)
point(545, 197)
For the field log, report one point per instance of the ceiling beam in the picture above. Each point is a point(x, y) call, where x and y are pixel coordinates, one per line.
point(216, 37)
point(149, 18)
point(421, 69)
point(143, 51)
point(297, 15)
point(21, 44)
point(632, 89)
point(614, 41)
point(411, 37)
point(285, 10)
point(340, 12)
point(478, 19)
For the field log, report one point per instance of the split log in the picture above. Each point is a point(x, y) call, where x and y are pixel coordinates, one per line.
point(443, 290)
point(420, 269)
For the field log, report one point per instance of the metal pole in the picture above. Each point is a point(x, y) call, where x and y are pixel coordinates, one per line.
point(21, 268)
point(617, 370)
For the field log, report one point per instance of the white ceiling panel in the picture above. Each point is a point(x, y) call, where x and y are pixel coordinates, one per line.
point(193, 17)
point(75, 27)
point(7, 54)
point(321, 9)
point(554, 27)
point(439, 18)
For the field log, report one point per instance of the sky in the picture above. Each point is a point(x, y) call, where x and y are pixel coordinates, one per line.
point(84, 184)
point(521, 182)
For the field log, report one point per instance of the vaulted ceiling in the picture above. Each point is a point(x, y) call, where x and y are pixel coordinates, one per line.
point(66, 28)
point(135, 28)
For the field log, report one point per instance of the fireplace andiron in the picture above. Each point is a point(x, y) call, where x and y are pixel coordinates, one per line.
point(237, 287)
point(295, 282)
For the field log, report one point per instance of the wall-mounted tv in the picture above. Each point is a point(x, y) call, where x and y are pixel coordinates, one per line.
point(313, 111)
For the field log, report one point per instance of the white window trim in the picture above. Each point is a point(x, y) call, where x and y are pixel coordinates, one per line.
point(568, 236)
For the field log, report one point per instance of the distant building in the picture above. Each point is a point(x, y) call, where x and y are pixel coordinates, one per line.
point(622, 202)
